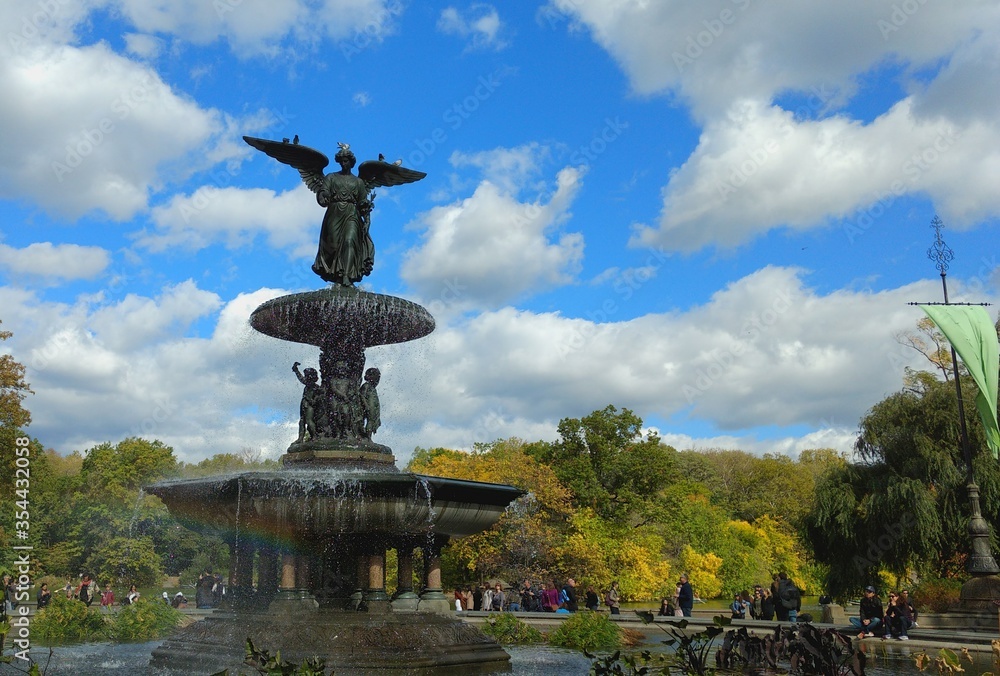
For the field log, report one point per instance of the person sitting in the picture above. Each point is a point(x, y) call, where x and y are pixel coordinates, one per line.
point(666, 607)
point(870, 614)
point(897, 617)
point(180, 601)
point(904, 594)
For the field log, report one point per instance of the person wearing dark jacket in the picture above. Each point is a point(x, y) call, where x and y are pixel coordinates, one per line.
point(898, 619)
point(766, 605)
point(685, 598)
point(870, 614)
point(571, 604)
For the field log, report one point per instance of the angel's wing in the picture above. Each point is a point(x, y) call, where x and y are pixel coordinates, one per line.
point(309, 161)
point(379, 174)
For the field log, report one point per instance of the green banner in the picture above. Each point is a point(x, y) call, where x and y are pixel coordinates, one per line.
point(973, 335)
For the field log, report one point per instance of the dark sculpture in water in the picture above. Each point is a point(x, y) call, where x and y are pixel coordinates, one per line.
point(346, 252)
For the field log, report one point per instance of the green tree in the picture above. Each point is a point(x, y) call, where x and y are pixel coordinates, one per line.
point(610, 466)
point(903, 505)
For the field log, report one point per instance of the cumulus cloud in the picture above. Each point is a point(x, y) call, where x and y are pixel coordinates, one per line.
point(490, 248)
point(54, 262)
point(766, 351)
point(94, 147)
point(759, 166)
point(480, 25)
point(234, 217)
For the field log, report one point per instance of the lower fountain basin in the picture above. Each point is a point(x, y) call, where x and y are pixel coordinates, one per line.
point(315, 504)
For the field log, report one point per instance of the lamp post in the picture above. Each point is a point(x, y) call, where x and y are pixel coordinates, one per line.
point(984, 586)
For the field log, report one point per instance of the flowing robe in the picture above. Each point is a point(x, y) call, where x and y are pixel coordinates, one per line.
point(346, 251)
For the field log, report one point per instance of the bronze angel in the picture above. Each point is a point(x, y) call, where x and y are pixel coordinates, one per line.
point(346, 252)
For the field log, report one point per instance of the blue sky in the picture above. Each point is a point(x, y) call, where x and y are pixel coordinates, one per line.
point(711, 213)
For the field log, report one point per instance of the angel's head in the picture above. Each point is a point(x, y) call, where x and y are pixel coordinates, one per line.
point(345, 158)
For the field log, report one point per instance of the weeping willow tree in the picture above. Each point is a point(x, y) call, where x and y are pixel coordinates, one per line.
point(902, 505)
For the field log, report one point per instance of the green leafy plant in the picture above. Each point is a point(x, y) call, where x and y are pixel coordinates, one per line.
point(938, 595)
point(68, 620)
point(264, 662)
point(144, 620)
point(507, 629)
point(588, 632)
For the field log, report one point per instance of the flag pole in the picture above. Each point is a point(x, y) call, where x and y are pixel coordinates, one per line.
point(984, 586)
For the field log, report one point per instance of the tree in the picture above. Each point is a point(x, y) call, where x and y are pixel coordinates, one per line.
point(903, 504)
point(13, 390)
point(609, 465)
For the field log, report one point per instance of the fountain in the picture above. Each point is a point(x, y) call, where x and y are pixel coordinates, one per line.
point(314, 535)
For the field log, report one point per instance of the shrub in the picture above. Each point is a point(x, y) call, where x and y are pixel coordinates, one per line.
point(507, 629)
point(587, 631)
point(144, 620)
point(67, 620)
point(937, 594)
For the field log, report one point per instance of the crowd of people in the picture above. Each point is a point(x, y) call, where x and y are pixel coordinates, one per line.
point(556, 598)
point(209, 593)
point(782, 601)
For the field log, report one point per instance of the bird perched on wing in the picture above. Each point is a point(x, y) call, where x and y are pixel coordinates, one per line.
point(398, 162)
point(381, 157)
point(284, 140)
point(295, 139)
point(344, 146)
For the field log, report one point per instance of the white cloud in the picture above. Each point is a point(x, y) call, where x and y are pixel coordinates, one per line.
point(717, 51)
point(759, 168)
point(234, 216)
point(509, 168)
point(100, 146)
point(143, 45)
point(766, 351)
point(260, 26)
point(490, 248)
point(480, 24)
point(48, 262)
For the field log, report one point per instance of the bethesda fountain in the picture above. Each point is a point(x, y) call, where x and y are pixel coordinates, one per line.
point(308, 543)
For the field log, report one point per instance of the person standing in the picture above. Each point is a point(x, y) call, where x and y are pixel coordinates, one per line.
point(133, 594)
point(685, 596)
point(614, 599)
point(107, 597)
point(498, 600)
point(569, 591)
point(766, 605)
point(85, 591)
point(529, 599)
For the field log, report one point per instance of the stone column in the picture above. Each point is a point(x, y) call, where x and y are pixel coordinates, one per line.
point(292, 597)
point(240, 594)
point(358, 597)
point(404, 598)
point(375, 597)
point(267, 574)
point(432, 599)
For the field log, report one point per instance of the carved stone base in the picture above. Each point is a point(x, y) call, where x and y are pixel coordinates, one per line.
point(980, 592)
point(324, 452)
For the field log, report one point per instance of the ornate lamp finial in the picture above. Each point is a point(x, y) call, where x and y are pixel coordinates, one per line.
point(940, 252)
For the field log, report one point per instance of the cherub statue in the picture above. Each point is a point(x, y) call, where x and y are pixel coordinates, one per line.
point(370, 404)
point(346, 252)
point(312, 401)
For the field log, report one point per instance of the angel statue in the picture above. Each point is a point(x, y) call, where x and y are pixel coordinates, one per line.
point(346, 252)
